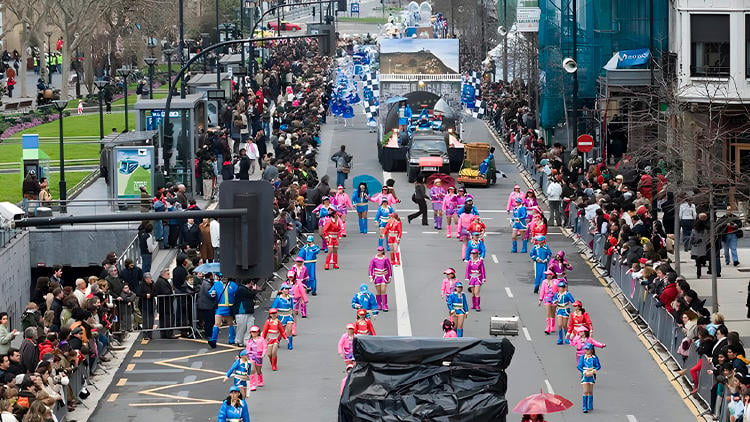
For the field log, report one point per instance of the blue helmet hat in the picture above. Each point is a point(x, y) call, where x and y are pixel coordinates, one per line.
point(588, 346)
point(310, 239)
point(234, 388)
point(540, 238)
point(518, 200)
point(458, 284)
point(476, 234)
point(363, 287)
point(562, 284)
point(285, 286)
point(243, 353)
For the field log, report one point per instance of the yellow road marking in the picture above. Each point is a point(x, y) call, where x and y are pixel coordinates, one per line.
point(144, 341)
point(137, 353)
point(130, 367)
point(122, 382)
point(211, 402)
point(112, 397)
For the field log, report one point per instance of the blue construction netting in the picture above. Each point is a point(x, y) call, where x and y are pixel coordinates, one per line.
point(603, 27)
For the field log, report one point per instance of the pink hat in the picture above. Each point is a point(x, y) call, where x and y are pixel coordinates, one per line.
point(349, 326)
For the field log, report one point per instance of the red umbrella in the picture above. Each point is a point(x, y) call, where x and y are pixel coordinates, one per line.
point(542, 403)
point(446, 180)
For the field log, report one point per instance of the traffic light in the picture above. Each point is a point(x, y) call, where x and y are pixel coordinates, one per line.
point(168, 141)
point(247, 242)
point(342, 6)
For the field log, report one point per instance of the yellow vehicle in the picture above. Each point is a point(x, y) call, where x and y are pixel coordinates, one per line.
point(478, 167)
point(263, 33)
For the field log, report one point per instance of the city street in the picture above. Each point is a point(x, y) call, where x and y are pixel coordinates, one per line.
point(181, 379)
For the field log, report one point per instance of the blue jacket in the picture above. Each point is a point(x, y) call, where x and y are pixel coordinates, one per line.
point(381, 217)
point(309, 253)
point(228, 412)
point(540, 254)
point(364, 298)
point(457, 302)
point(239, 370)
point(471, 245)
point(224, 295)
point(473, 210)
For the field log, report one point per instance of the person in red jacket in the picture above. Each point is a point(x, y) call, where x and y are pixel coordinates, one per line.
point(363, 325)
point(332, 230)
point(668, 295)
point(579, 318)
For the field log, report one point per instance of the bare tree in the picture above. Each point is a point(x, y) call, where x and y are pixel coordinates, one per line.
point(31, 17)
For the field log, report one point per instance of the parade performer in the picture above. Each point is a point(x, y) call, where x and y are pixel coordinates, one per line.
point(437, 194)
point(332, 231)
point(559, 264)
point(363, 325)
point(538, 225)
point(240, 371)
point(581, 339)
point(361, 200)
point(477, 243)
point(468, 206)
point(450, 209)
point(588, 365)
point(223, 293)
point(464, 222)
point(364, 299)
point(381, 273)
point(448, 282)
point(284, 303)
point(273, 332)
point(477, 225)
point(343, 204)
point(299, 295)
point(386, 194)
point(532, 209)
point(461, 197)
point(449, 329)
point(475, 276)
point(256, 349)
point(562, 300)
point(512, 198)
point(393, 235)
point(381, 219)
point(579, 318)
point(300, 272)
point(519, 226)
point(309, 254)
point(346, 376)
point(457, 307)
point(234, 408)
point(346, 346)
point(322, 211)
point(540, 254)
point(546, 296)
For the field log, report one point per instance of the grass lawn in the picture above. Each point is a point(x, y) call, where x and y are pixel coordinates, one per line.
point(361, 20)
point(10, 185)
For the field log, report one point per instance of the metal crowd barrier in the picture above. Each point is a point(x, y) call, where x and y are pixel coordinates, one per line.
point(172, 312)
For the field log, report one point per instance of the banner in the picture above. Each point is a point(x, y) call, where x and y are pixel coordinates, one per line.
point(632, 58)
point(527, 16)
point(134, 167)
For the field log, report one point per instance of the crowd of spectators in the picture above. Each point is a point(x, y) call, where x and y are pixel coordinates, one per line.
point(631, 214)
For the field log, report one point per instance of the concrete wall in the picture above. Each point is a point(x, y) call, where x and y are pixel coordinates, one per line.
point(78, 247)
point(15, 265)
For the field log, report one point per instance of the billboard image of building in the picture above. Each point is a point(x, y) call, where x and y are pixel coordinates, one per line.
point(419, 56)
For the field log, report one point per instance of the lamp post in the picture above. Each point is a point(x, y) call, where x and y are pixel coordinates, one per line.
point(60, 106)
point(125, 72)
point(150, 62)
point(100, 84)
point(218, 40)
point(168, 54)
point(49, 56)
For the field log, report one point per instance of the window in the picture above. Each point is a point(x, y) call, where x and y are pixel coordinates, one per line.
point(709, 45)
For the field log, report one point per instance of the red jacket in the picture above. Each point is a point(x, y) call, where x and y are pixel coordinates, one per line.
point(668, 295)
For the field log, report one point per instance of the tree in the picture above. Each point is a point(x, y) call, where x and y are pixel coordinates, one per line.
point(31, 16)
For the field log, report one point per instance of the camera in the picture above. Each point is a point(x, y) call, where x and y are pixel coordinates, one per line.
point(9, 213)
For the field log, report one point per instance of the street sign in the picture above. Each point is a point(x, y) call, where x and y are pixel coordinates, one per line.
point(585, 143)
point(215, 94)
point(354, 9)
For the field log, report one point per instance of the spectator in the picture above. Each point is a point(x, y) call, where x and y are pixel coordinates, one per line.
point(6, 335)
point(147, 244)
point(206, 245)
point(730, 229)
point(343, 162)
point(554, 195)
point(29, 351)
point(114, 282)
point(215, 237)
point(164, 288)
point(80, 292)
point(688, 215)
point(244, 309)
point(57, 272)
point(147, 294)
point(245, 163)
point(699, 239)
point(56, 308)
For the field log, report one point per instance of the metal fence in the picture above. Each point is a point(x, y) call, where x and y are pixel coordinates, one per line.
point(164, 314)
point(643, 304)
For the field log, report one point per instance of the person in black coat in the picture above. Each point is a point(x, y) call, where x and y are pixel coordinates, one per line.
point(163, 288)
point(191, 234)
point(147, 294)
point(179, 283)
point(244, 173)
point(420, 198)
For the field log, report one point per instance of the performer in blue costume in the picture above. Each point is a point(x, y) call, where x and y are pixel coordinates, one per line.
point(285, 304)
point(519, 225)
point(588, 365)
point(364, 299)
point(540, 254)
point(234, 408)
point(309, 253)
point(223, 293)
point(475, 243)
point(458, 307)
point(563, 299)
point(240, 371)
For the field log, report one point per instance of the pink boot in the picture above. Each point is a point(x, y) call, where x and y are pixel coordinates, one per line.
point(473, 302)
point(379, 300)
point(479, 306)
point(448, 235)
point(260, 380)
point(303, 309)
point(456, 230)
point(294, 328)
point(546, 326)
point(251, 383)
point(385, 303)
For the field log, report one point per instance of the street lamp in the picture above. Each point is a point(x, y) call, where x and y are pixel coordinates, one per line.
point(150, 62)
point(60, 106)
point(49, 56)
point(168, 54)
point(100, 84)
point(125, 72)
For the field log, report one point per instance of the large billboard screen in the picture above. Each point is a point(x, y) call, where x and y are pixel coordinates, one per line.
point(429, 56)
point(134, 167)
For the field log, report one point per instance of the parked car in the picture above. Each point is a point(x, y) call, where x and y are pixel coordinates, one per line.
point(285, 26)
point(427, 154)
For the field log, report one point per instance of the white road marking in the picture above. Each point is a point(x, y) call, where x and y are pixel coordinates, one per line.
point(526, 334)
point(631, 418)
point(399, 286)
point(510, 294)
point(429, 232)
point(549, 387)
point(494, 258)
point(386, 175)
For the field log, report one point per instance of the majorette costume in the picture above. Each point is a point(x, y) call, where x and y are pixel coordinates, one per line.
point(240, 370)
point(540, 254)
point(588, 365)
point(285, 305)
point(364, 299)
point(223, 294)
point(361, 200)
point(475, 244)
point(579, 321)
point(256, 350)
point(309, 253)
point(381, 218)
point(300, 271)
point(363, 325)
point(448, 283)
point(519, 223)
point(346, 344)
point(322, 211)
point(579, 342)
point(450, 208)
point(532, 208)
point(461, 198)
point(299, 295)
point(378, 198)
point(393, 235)
point(273, 332)
point(230, 413)
point(437, 194)
point(332, 230)
point(563, 301)
point(477, 226)
point(343, 203)
point(512, 198)
point(475, 276)
point(547, 292)
point(537, 226)
point(457, 303)
point(559, 267)
point(380, 272)
point(464, 222)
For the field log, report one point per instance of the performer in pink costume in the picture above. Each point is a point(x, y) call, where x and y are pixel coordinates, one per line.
point(475, 276)
point(581, 339)
point(299, 294)
point(300, 271)
point(256, 350)
point(385, 193)
point(559, 264)
point(437, 194)
point(547, 291)
point(381, 272)
point(448, 282)
point(461, 198)
point(532, 208)
point(345, 346)
point(322, 211)
point(343, 203)
point(464, 222)
point(512, 198)
point(450, 209)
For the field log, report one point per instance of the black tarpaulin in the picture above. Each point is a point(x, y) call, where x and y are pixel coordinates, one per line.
point(427, 379)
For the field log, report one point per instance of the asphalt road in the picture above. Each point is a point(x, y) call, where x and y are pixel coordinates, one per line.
point(181, 379)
